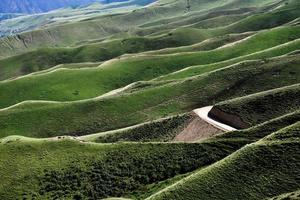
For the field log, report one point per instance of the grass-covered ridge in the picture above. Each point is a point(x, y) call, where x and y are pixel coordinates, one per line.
point(107, 25)
point(287, 48)
point(63, 85)
point(270, 168)
point(145, 103)
point(162, 130)
point(90, 170)
point(48, 57)
point(122, 105)
point(134, 165)
point(261, 107)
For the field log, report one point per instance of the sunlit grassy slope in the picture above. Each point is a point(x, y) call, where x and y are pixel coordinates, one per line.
point(98, 52)
point(49, 57)
point(63, 85)
point(47, 179)
point(43, 119)
point(89, 108)
point(104, 26)
point(270, 167)
point(55, 174)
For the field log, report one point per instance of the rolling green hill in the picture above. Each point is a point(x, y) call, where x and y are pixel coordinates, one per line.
point(45, 119)
point(41, 153)
point(130, 102)
point(19, 23)
point(97, 81)
point(48, 57)
point(266, 172)
point(261, 107)
point(44, 58)
point(98, 169)
point(104, 26)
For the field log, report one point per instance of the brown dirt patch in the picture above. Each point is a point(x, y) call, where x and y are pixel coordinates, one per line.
point(197, 130)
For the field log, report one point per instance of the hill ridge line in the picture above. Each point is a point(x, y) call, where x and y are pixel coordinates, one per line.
point(203, 114)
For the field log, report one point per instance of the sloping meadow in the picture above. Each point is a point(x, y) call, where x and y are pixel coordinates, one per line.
point(95, 112)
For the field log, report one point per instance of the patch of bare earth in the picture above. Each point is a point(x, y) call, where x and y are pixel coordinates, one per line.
point(197, 130)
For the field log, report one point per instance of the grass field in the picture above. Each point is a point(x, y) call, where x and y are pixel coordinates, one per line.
point(49, 180)
point(48, 57)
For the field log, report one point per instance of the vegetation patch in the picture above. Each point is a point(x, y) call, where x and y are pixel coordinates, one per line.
point(94, 172)
point(261, 107)
point(157, 131)
point(257, 171)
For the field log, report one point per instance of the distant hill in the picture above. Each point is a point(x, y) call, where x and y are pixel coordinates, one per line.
point(13, 23)
point(4, 16)
point(38, 6)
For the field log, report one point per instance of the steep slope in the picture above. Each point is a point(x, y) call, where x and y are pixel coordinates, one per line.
point(106, 101)
point(49, 57)
point(270, 167)
point(162, 130)
point(63, 85)
point(71, 170)
point(102, 27)
point(145, 102)
point(80, 163)
point(37, 6)
point(257, 108)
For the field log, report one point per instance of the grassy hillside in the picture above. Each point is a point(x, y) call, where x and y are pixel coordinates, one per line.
point(264, 129)
point(48, 57)
point(133, 165)
point(206, 45)
point(146, 102)
point(104, 26)
point(29, 22)
point(45, 58)
point(162, 130)
point(63, 85)
point(165, 130)
point(102, 106)
point(69, 169)
point(219, 16)
point(269, 166)
point(212, 19)
point(261, 107)
point(280, 50)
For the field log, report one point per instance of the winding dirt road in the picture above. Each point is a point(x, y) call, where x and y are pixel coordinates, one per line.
point(203, 114)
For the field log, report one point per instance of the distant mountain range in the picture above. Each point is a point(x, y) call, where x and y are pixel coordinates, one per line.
point(38, 6)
